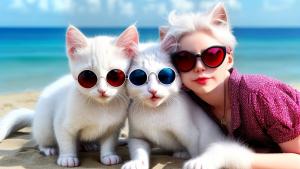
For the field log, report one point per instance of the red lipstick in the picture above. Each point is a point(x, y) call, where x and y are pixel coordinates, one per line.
point(202, 80)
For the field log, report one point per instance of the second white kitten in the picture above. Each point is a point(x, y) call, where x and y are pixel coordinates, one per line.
point(163, 116)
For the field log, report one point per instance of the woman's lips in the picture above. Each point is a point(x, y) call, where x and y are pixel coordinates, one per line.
point(202, 80)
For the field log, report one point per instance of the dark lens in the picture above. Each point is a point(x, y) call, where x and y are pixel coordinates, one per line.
point(87, 79)
point(138, 77)
point(184, 61)
point(166, 76)
point(214, 56)
point(115, 77)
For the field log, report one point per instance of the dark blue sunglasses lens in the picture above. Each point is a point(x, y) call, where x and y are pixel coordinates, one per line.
point(138, 77)
point(166, 76)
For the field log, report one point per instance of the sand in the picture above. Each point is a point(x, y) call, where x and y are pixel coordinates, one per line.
point(19, 151)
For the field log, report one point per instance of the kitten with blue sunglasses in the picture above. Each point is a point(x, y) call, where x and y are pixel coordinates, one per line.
point(162, 115)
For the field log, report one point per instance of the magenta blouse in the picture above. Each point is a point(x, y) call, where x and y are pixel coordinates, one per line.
point(264, 111)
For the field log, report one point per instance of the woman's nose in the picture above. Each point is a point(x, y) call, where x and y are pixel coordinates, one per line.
point(199, 67)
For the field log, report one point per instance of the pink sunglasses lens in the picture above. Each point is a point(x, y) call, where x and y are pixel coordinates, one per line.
point(213, 57)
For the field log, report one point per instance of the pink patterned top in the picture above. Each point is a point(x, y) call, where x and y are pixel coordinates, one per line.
point(264, 111)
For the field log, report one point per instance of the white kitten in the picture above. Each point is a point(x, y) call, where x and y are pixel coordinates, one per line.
point(67, 112)
point(161, 115)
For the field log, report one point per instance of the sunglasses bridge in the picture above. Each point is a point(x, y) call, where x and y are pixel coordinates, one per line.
point(140, 77)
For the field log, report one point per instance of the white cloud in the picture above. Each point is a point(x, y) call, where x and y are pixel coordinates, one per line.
point(27, 4)
point(94, 5)
point(18, 4)
point(111, 5)
point(126, 8)
point(155, 7)
point(233, 4)
point(62, 6)
point(162, 9)
point(182, 5)
point(123, 7)
point(43, 5)
point(30, 1)
point(58, 6)
point(277, 5)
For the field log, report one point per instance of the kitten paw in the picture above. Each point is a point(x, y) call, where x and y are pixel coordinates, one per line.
point(67, 161)
point(200, 163)
point(110, 159)
point(48, 151)
point(135, 164)
point(181, 155)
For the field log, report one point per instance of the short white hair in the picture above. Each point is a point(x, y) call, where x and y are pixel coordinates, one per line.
point(215, 22)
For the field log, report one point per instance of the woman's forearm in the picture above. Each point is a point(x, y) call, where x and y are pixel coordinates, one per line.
point(276, 161)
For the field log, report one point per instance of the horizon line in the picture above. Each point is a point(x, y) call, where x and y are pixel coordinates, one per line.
point(145, 27)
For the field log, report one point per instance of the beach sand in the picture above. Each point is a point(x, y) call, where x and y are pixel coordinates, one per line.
point(19, 151)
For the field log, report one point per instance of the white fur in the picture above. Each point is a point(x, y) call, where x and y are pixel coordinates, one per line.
point(225, 154)
point(176, 123)
point(67, 113)
point(14, 121)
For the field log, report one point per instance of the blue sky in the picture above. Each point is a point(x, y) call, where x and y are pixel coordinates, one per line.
point(146, 13)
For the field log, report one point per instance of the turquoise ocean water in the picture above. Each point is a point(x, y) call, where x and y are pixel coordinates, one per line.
point(31, 58)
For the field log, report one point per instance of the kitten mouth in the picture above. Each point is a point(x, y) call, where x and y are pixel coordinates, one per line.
point(104, 96)
point(154, 98)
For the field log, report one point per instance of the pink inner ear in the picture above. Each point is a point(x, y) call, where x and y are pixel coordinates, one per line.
point(219, 15)
point(218, 21)
point(75, 40)
point(131, 50)
point(71, 52)
point(129, 40)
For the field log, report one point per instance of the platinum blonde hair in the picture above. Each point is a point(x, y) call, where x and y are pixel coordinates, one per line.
point(214, 22)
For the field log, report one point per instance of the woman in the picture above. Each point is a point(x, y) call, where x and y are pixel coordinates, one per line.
point(262, 112)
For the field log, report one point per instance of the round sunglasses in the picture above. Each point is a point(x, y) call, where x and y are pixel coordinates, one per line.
point(139, 77)
point(117, 77)
point(212, 57)
point(89, 79)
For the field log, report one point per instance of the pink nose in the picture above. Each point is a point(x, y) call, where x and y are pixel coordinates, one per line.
point(102, 92)
point(153, 92)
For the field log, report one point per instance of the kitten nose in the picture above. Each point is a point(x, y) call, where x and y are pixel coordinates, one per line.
point(152, 91)
point(102, 92)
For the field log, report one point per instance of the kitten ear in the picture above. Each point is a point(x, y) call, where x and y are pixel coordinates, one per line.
point(169, 44)
point(74, 40)
point(162, 32)
point(128, 41)
point(219, 15)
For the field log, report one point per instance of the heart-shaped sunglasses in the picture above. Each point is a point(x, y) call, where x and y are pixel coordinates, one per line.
point(212, 57)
